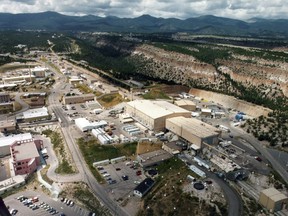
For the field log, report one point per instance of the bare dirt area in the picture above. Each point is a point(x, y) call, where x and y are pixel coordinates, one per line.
point(144, 147)
point(231, 102)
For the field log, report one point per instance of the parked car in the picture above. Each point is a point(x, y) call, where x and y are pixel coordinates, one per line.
point(125, 177)
point(139, 172)
point(118, 169)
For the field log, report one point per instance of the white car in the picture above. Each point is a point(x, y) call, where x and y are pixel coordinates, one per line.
point(106, 175)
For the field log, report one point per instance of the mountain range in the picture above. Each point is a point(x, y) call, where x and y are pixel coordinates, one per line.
point(53, 21)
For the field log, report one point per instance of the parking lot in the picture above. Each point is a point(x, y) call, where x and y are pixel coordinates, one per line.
point(122, 187)
point(59, 206)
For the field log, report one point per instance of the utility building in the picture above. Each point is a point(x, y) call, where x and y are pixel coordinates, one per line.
point(153, 114)
point(272, 199)
point(186, 104)
point(193, 130)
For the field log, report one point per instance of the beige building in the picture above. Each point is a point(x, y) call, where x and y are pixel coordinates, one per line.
point(273, 200)
point(7, 126)
point(78, 98)
point(16, 79)
point(153, 114)
point(193, 130)
point(186, 104)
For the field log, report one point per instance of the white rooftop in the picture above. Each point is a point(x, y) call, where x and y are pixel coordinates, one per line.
point(34, 113)
point(83, 122)
point(9, 140)
point(39, 69)
point(156, 109)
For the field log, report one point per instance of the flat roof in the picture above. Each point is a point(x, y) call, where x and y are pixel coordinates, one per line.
point(184, 103)
point(156, 109)
point(9, 140)
point(7, 123)
point(197, 127)
point(26, 151)
point(151, 158)
point(274, 194)
point(81, 96)
point(173, 145)
point(34, 113)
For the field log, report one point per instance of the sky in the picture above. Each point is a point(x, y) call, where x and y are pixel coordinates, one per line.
point(182, 9)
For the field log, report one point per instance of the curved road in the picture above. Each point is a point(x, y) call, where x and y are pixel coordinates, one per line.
point(234, 201)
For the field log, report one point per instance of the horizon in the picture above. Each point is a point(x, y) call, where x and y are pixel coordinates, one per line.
point(182, 9)
point(83, 15)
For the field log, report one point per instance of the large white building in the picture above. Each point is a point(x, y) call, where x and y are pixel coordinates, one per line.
point(194, 131)
point(33, 114)
point(152, 114)
point(84, 125)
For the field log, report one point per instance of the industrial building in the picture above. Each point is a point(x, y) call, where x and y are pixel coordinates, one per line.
point(75, 80)
point(7, 126)
point(78, 98)
point(153, 158)
point(84, 125)
point(186, 104)
point(194, 131)
point(172, 147)
point(152, 114)
point(39, 72)
point(273, 200)
point(33, 115)
point(19, 79)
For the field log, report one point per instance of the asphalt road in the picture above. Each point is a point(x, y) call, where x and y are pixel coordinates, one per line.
point(79, 161)
point(235, 207)
point(263, 151)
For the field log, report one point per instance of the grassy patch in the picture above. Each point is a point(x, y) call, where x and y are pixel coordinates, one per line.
point(17, 106)
point(44, 175)
point(167, 196)
point(155, 94)
point(93, 152)
point(110, 100)
point(64, 166)
point(84, 88)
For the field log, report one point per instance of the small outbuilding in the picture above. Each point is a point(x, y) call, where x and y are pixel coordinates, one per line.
point(272, 199)
point(144, 187)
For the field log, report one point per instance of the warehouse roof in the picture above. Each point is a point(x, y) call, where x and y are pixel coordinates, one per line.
point(274, 194)
point(184, 103)
point(197, 127)
point(151, 158)
point(156, 109)
point(35, 113)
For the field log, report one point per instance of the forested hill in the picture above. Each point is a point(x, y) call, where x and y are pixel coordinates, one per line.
point(53, 21)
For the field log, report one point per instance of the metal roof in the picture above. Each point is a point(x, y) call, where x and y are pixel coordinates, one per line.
point(34, 113)
point(156, 109)
point(197, 127)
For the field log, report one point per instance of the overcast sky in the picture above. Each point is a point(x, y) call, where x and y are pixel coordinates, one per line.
point(239, 9)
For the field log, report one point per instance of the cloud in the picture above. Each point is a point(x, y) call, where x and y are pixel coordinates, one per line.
point(239, 9)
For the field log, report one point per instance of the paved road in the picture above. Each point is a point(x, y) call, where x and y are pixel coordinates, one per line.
point(235, 207)
point(263, 151)
point(83, 170)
